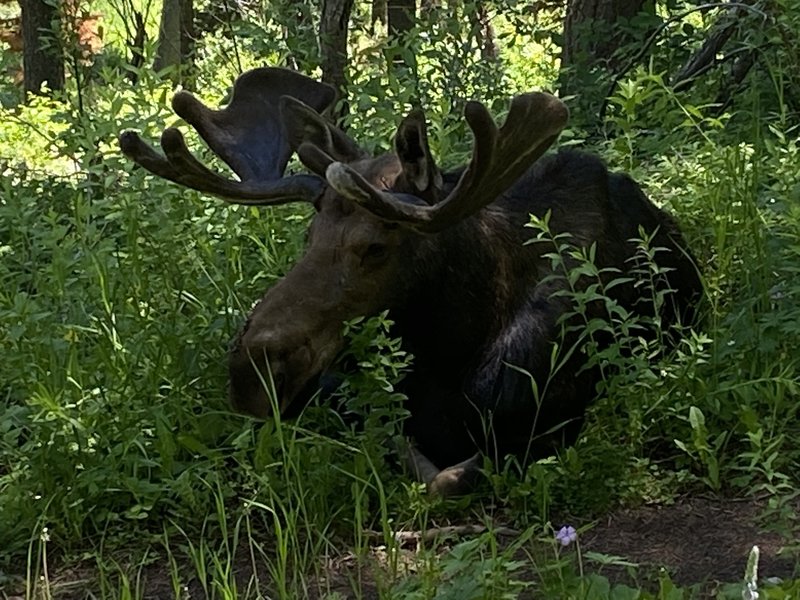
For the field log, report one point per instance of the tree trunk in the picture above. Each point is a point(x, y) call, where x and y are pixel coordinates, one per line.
point(401, 16)
point(590, 33)
point(42, 59)
point(401, 20)
point(219, 14)
point(733, 84)
point(484, 32)
point(705, 58)
point(188, 38)
point(176, 40)
point(135, 42)
point(429, 7)
point(168, 51)
point(378, 13)
point(333, 44)
point(592, 37)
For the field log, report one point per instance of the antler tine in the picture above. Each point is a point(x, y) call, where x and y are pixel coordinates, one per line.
point(144, 155)
point(181, 167)
point(198, 176)
point(533, 124)
point(179, 156)
point(499, 158)
point(249, 134)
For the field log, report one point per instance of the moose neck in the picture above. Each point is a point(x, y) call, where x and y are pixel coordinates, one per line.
point(457, 280)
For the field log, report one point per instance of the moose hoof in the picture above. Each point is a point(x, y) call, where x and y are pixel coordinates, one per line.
point(457, 480)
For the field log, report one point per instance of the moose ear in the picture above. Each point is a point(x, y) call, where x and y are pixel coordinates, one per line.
point(419, 168)
point(307, 128)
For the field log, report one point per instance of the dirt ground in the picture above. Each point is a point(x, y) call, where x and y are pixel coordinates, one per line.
point(698, 539)
point(695, 539)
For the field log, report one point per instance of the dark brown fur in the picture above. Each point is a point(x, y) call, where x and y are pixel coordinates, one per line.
point(468, 302)
point(478, 307)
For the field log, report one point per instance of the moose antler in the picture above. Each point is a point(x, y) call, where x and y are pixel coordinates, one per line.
point(249, 134)
point(499, 158)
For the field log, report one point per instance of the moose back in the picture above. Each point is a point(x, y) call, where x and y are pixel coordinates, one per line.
point(445, 253)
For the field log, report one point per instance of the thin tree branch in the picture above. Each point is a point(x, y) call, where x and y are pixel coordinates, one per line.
point(654, 36)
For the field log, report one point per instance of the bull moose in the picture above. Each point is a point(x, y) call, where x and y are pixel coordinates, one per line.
point(445, 253)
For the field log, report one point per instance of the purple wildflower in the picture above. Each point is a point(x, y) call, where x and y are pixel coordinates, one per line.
point(566, 535)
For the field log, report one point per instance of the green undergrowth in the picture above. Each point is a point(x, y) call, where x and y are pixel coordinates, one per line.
point(122, 467)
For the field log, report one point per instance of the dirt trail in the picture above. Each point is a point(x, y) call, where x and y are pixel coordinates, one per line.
point(695, 539)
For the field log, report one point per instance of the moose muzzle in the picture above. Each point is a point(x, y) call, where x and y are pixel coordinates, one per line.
point(277, 369)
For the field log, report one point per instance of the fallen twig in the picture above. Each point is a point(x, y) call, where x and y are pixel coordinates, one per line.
point(434, 533)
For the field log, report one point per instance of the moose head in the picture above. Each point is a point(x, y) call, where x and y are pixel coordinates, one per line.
point(371, 212)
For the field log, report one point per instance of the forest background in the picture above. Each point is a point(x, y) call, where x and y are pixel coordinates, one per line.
point(124, 474)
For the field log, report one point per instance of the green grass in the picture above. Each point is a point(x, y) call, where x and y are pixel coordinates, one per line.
point(121, 464)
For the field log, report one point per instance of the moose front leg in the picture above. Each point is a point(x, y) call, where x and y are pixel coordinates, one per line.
point(456, 480)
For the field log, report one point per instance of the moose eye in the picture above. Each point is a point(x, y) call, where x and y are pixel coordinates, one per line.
point(376, 252)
